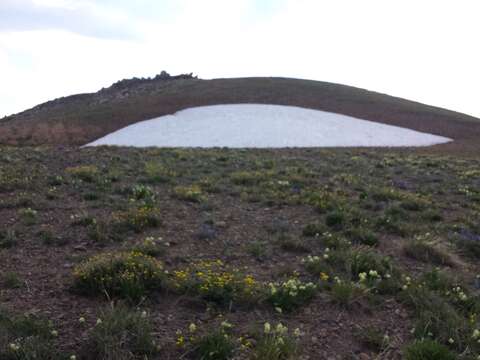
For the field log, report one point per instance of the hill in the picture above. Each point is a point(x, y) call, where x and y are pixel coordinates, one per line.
point(132, 253)
point(79, 119)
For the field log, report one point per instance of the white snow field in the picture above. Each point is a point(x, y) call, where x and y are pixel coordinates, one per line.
point(263, 126)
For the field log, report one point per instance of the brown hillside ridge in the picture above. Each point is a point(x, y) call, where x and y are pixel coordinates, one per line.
point(79, 119)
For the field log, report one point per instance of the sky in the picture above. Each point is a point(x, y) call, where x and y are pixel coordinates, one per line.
point(423, 50)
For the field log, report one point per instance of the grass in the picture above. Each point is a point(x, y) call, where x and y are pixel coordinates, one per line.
point(424, 251)
point(121, 334)
point(216, 345)
point(8, 238)
point(276, 343)
point(428, 350)
point(26, 337)
point(345, 293)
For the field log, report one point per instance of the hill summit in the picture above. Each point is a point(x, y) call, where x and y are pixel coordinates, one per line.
point(83, 118)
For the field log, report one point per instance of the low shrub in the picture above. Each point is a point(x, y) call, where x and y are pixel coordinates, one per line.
point(138, 219)
point(142, 192)
point(290, 294)
point(364, 260)
point(212, 345)
point(129, 275)
point(150, 246)
point(192, 193)
point(362, 237)
point(215, 282)
point(276, 343)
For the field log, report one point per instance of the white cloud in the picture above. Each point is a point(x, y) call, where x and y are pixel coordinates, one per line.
point(424, 51)
point(81, 16)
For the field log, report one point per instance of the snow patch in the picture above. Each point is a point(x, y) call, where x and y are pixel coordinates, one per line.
point(263, 126)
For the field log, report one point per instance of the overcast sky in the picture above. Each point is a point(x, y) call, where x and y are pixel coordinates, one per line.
point(424, 50)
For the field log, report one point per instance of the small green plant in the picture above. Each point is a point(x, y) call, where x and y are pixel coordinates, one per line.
point(87, 173)
point(212, 345)
point(192, 193)
point(428, 350)
point(8, 238)
point(129, 275)
point(391, 225)
point(290, 294)
point(26, 338)
point(215, 282)
point(317, 265)
point(336, 220)
point(344, 293)
point(121, 334)
point(101, 232)
point(362, 237)
point(258, 249)
point(158, 173)
point(10, 280)
point(314, 229)
point(142, 194)
point(138, 218)
point(151, 246)
point(436, 318)
point(47, 237)
point(276, 343)
point(82, 219)
point(247, 178)
point(361, 260)
point(28, 216)
point(372, 338)
point(293, 245)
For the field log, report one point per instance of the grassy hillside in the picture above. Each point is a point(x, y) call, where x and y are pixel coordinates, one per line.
point(182, 254)
point(79, 119)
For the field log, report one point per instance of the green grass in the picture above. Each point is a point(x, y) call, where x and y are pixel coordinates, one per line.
point(121, 334)
point(428, 350)
point(426, 252)
point(25, 337)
